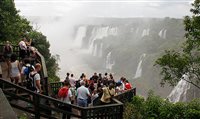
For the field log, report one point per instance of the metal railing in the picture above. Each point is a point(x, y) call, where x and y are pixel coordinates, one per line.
point(47, 107)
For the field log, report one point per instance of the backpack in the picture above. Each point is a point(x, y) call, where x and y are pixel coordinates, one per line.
point(31, 82)
point(63, 92)
point(28, 69)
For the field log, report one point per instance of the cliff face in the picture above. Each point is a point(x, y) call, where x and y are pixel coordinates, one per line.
point(129, 47)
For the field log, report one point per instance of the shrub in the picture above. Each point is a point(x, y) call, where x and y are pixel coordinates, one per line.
point(155, 107)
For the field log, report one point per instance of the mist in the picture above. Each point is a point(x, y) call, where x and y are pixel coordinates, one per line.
point(58, 20)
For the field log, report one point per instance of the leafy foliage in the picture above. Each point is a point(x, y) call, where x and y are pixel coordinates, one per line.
point(14, 27)
point(42, 45)
point(154, 107)
point(175, 63)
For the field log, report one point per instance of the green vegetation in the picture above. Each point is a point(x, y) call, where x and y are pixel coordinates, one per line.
point(155, 107)
point(14, 27)
point(175, 63)
point(23, 116)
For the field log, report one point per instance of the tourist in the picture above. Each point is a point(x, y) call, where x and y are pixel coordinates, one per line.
point(7, 50)
point(35, 77)
point(23, 48)
point(72, 82)
point(105, 79)
point(111, 79)
point(94, 77)
point(108, 93)
point(82, 95)
point(67, 77)
point(5, 68)
point(127, 85)
point(14, 69)
point(67, 99)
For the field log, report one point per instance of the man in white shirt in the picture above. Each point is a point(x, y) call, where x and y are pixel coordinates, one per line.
point(36, 78)
point(82, 95)
point(23, 48)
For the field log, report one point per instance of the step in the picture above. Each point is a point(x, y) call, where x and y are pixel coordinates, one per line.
point(23, 94)
point(9, 89)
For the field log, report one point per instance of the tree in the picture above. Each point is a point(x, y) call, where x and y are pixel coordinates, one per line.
point(176, 63)
point(40, 42)
point(155, 107)
point(13, 26)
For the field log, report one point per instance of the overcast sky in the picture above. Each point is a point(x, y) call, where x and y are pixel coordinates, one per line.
point(105, 8)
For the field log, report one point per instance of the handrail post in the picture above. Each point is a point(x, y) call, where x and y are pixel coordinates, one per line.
point(46, 86)
point(84, 114)
point(134, 91)
point(121, 111)
point(36, 101)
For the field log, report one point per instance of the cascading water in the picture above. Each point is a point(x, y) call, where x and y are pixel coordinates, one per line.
point(145, 32)
point(139, 67)
point(109, 62)
point(95, 53)
point(162, 33)
point(99, 33)
point(180, 90)
point(101, 50)
point(79, 36)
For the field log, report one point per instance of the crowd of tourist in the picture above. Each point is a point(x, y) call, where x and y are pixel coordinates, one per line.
point(12, 68)
point(85, 90)
point(82, 91)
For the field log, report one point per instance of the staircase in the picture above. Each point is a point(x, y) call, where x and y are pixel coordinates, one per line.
point(44, 106)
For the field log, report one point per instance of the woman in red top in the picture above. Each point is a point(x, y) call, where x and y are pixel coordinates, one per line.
point(127, 85)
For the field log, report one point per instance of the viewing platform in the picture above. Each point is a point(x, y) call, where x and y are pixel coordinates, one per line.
point(45, 106)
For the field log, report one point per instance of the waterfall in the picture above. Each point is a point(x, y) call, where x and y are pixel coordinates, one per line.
point(180, 90)
point(162, 33)
point(79, 36)
point(99, 33)
point(109, 62)
point(139, 67)
point(95, 50)
point(145, 32)
point(101, 50)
